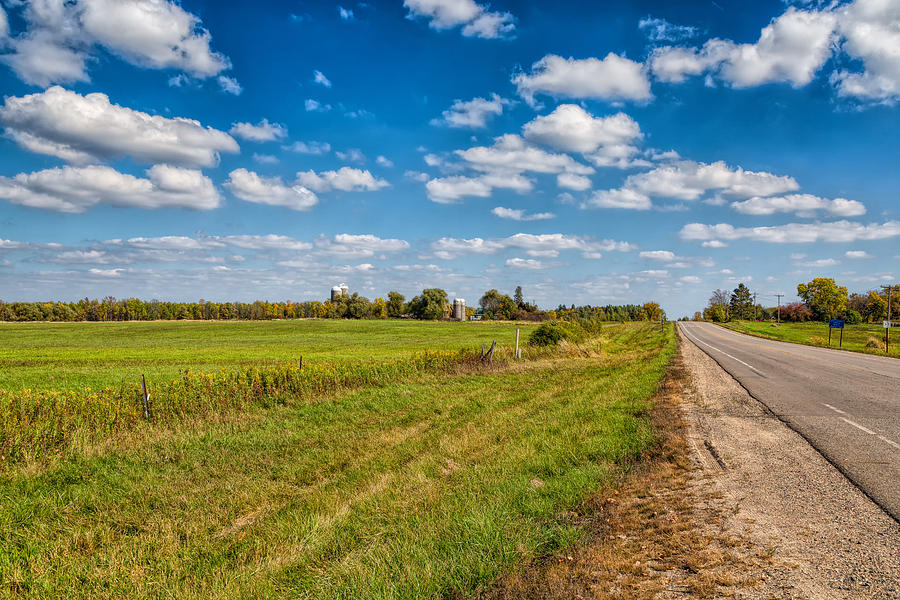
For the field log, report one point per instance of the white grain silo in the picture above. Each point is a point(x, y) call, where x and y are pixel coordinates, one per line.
point(345, 291)
point(336, 292)
point(459, 309)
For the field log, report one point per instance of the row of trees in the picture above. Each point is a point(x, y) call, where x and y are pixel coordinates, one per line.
point(822, 299)
point(431, 304)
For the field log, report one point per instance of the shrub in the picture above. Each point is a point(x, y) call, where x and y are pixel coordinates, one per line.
point(796, 312)
point(552, 333)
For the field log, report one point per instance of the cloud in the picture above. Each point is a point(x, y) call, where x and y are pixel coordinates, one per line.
point(76, 189)
point(619, 198)
point(345, 179)
point(313, 105)
point(60, 37)
point(857, 254)
point(448, 190)
point(660, 255)
point(547, 245)
point(347, 246)
point(316, 148)
point(612, 78)
point(796, 45)
point(384, 161)
point(688, 180)
point(660, 30)
point(803, 205)
point(472, 114)
point(250, 187)
point(510, 153)
point(106, 272)
point(526, 263)
point(82, 129)
point(607, 141)
point(230, 85)
point(871, 33)
point(351, 155)
point(319, 78)
point(790, 49)
point(820, 263)
point(261, 132)
point(515, 214)
point(573, 182)
point(265, 159)
point(346, 14)
point(475, 19)
point(796, 233)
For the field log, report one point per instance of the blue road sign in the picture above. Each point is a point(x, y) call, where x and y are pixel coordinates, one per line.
point(835, 324)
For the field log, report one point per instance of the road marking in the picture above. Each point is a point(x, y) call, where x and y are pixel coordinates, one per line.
point(751, 367)
point(857, 425)
point(892, 443)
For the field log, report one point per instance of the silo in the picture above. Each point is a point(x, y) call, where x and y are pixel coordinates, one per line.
point(345, 291)
point(459, 309)
point(336, 292)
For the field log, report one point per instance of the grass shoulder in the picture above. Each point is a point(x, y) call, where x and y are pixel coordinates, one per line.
point(866, 338)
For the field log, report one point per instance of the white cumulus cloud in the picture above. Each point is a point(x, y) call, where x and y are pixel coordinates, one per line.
point(475, 19)
point(261, 132)
point(803, 205)
point(606, 141)
point(612, 78)
point(60, 37)
point(345, 179)
point(796, 233)
point(251, 187)
point(82, 129)
point(472, 114)
point(517, 214)
point(76, 189)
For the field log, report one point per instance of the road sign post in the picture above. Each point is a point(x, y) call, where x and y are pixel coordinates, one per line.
point(836, 324)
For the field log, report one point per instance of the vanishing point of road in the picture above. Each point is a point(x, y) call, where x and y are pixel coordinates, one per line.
point(846, 404)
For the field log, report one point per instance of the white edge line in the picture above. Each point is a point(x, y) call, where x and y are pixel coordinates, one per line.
point(751, 367)
point(857, 425)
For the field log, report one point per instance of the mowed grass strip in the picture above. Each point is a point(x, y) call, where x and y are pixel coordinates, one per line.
point(77, 356)
point(868, 338)
point(413, 490)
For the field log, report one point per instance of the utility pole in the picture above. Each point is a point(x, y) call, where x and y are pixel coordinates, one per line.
point(754, 306)
point(887, 330)
point(779, 296)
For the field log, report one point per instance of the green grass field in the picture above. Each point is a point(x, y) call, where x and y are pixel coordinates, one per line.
point(422, 488)
point(63, 356)
point(858, 338)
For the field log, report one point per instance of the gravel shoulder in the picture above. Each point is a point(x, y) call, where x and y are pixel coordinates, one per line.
point(767, 485)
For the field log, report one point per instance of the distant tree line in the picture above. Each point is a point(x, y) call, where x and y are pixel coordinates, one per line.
point(821, 299)
point(431, 304)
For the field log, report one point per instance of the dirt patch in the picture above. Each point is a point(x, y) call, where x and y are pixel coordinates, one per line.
point(652, 537)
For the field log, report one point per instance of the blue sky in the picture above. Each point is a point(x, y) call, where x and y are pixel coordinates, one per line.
point(597, 153)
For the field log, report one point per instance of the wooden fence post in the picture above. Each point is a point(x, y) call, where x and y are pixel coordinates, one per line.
point(491, 357)
point(517, 343)
point(146, 398)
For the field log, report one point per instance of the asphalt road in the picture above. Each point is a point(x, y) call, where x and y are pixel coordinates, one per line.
point(846, 404)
